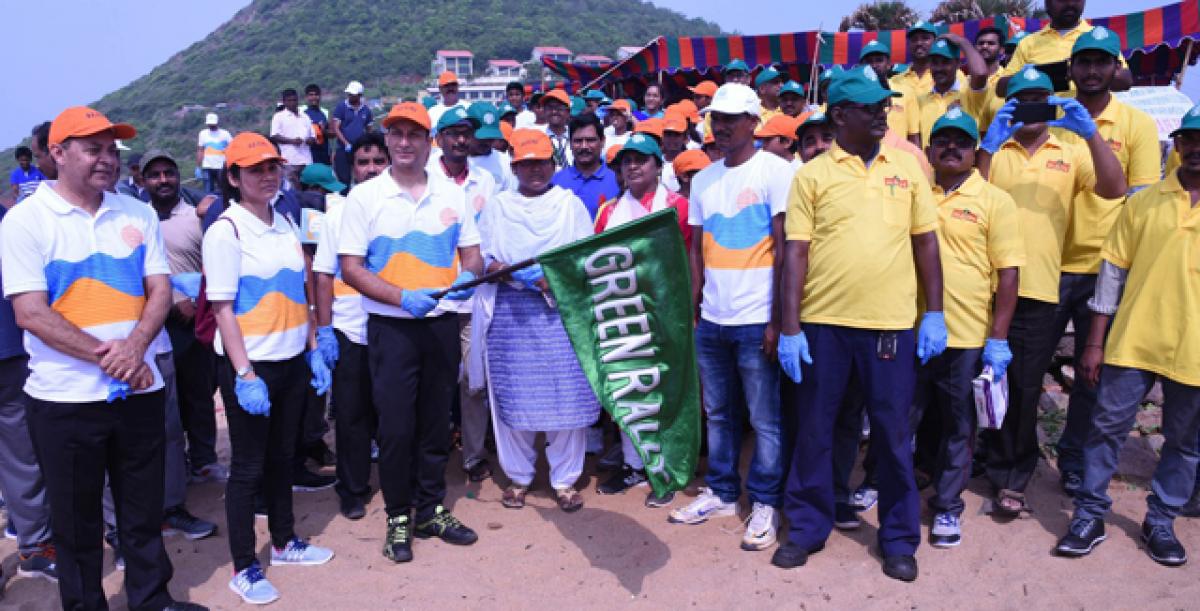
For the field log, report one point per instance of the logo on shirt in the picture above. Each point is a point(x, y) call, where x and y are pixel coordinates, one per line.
point(448, 216)
point(132, 236)
point(1114, 145)
point(895, 181)
point(478, 203)
point(1058, 165)
point(963, 214)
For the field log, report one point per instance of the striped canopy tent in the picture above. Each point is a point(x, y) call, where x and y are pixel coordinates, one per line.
point(1154, 43)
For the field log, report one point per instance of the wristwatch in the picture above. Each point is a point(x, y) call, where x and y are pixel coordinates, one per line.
point(244, 371)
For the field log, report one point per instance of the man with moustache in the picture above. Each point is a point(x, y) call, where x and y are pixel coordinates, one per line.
point(587, 176)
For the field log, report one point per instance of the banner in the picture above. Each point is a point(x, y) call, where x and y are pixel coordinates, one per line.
point(625, 299)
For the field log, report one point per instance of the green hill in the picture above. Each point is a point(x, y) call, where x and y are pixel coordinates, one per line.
point(388, 45)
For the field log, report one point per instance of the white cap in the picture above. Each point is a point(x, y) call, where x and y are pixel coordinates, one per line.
point(210, 118)
point(734, 99)
point(354, 88)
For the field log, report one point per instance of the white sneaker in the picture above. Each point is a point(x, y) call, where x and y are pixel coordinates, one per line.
point(707, 505)
point(300, 552)
point(252, 586)
point(760, 528)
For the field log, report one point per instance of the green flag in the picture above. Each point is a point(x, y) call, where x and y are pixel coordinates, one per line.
point(625, 299)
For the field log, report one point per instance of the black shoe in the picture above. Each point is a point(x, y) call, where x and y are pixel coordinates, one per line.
point(612, 459)
point(622, 480)
point(1191, 509)
point(480, 471)
point(321, 454)
point(789, 556)
point(397, 546)
point(654, 501)
point(1163, 546)
point(304, 480)
point(1083, 535)
point(446, 527)
point(352, 507)
point(845, 518)
point(903, 568)
point(1071, 482)
point(180, 605)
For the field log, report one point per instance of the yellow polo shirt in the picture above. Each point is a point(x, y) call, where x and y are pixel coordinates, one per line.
point(1043, 184)
point(1157, 238)
point(1133, 137)
point(987, 102)
point(978, 233)
point(860, 221)
point(1047, 46)
point(1173, 163)
point(933, 105)
point(904, 116)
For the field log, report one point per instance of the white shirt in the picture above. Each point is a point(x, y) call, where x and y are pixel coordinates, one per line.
point(734, 207)
point(214, 143)
point(668, 178)
point(290, 125)
point(435, 113)
point(500, 166)
point(91, 269)
point(526, 118)
point(349, 317)
point(259, 268)
point(480, 188)
point(561, 143)
point(408, 244)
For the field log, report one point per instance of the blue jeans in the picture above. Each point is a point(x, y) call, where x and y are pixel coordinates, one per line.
point(727, 355)
point(944, 384)
point(1074, 291)
point(1120, 392)
point(212, 181)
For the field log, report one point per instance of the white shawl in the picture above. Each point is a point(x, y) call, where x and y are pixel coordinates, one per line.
point(513, 228)
point(628, 208)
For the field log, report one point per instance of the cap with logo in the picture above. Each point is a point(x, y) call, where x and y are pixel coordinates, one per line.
point(767, 75)
point(922, 26)
point(354, 88)
point(321, 175)
point(734, 99)
point(640, 143)
point(211, 119)
point(578, 106)
point(530, 145)
point(249, 149)
point(487, 120)
point(943, 48)
point(504, 108)
point(1190, 122)
point(705, 88)
point(779, 125)
point(1016, 39)
point(1100, 39)
point(955, 118)
point(874, 46)
point(454, 116)
point(736, 65)
point(594, 95)
point(407, 111)
point(858, 85)
point(1028, 79)
point(81, 121)
point(828, 74)
point(447, 78)
point(691, 160)
point(815, 118)
point(792, 87)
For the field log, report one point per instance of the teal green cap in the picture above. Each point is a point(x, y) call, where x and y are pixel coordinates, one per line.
point(816, 118)
point(922, 26)
point(1015, 39)
point(453, 116)
point(900, 68)
point(321, 175)
point(955, 118)
point(874, 47)
point(1026, 79)
point(1191, 121)
point(632, 105)
point(639, 143)
point(505, 108)
point(736, 64)
point(593, 94)
point(859, 85)
point(1099, 38)
point(792, 87)
point(945, 49)
point(578, 105)
point(828, 74)
point(767, 75)
point(487, 119)
point(428, 102)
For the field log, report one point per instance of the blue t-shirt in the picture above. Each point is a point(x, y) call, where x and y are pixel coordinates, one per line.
point(589, 189)
point(11, 336)
point(320, 152)
point(353, 122)
point(20, 176)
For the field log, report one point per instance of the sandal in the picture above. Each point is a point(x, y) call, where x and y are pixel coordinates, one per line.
point(569, 499)
point(1010, 503)
point(514, 496)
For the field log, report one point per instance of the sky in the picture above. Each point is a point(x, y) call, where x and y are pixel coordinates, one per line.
point(68, 69)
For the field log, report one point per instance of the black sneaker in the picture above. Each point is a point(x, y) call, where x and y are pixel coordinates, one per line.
point(397, 546)
point(845, 518)
point(1071, 482)
point(612, 459)
point(902, 568)
point(446, 527)
point(178, 521)
point(1083, 535)
point(789, 556)
point(321, 454)
point(653, 500)
point(304, 480)
point(42, 562)
point(480, 471)
point(352, 507)
point(622, 480)
point(1163, 546)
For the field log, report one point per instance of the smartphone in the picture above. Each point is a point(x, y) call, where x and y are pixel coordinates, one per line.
point(885, 345)
point(1059, 74)
point(1034, 112)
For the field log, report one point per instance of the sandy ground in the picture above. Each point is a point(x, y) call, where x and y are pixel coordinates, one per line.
point(616, 552)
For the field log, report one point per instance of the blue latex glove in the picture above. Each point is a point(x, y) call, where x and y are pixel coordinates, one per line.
point(464, 277)
point(322, 379)
point(1001, 128)
point(793, 349)
point(327, 345)
point(199, 174)
point(529, 276)
point(997, 356)
point(418, 302)
point(187, 283)
point(1075, 117)
point(118, 390)
point(348, 147)
point(252, 396)
point(931, 338)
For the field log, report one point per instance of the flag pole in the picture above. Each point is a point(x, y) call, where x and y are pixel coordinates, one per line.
point(814, 70)
point(484, 279)
point(1187, 57)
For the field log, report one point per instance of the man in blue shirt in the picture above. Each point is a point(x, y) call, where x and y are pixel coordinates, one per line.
point(320, 120)
point(351, 119)
point(24, 172)
point(588, 177)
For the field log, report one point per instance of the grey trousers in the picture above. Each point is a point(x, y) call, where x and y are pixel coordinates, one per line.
point(472, 406)
point(20, 476)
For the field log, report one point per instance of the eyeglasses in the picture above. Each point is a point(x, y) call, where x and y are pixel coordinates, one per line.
point(873, 110)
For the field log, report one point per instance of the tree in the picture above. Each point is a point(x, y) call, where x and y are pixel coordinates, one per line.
point(880, 15)
point(955, 11)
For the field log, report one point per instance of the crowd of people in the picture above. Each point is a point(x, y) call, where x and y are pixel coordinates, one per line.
point(861, 257)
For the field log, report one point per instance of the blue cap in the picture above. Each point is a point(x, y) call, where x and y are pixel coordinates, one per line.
point(859, 85)
point(874, 46)
point(487, 120)
point(1028, 78)
point(955, 118)
point(736, 64)
point(922, 26)
point(792, 87)
point(944, 49)
point(767, 75)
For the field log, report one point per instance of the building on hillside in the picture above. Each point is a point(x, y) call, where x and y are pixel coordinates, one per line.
point(624, 53)
point(594, 61)
point(487, 87)
point(561, 54)
point(458, 61)
point(505, 68)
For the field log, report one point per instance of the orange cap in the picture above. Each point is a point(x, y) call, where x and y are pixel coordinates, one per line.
point(654, 127)
point(81, 121)
point(706, 88)
point(610, 155)
point(506, 130)
point(559, 95)
point(250, 148)
point(407, 111)
point(446, 78)
point(674, 121)
point(621, 105)
point(689, 160)
point(688, 108)
point(530, 144)
point(779, 125)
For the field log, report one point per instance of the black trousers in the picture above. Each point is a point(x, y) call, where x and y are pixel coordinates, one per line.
point(944, 386)
point(262, 450)
point(76, 444)
point(1012, 451)
point(312, 425)
point(414, 374)
point(196, 379)
point(355, 416)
